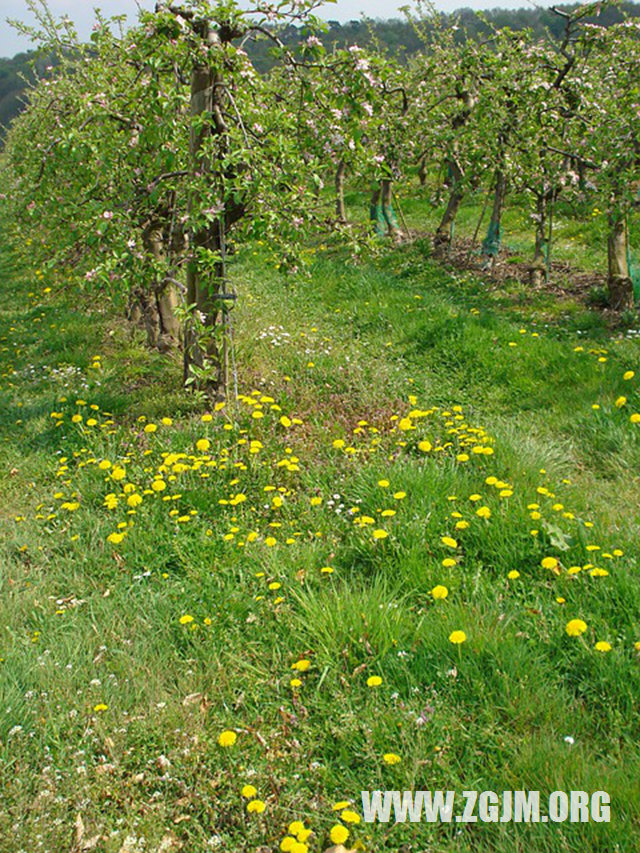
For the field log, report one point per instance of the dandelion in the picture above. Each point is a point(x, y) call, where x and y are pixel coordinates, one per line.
point(301, 665)
point(295, 683)
point(374, 681)
point(349, 816)
point(449, 542)
point(628, 375)
point(513, 575)
point(227, 738)
point(339, 834)
point(549, 563)
point(457, 637)
point(391, 758)
point(151, 428)
point(380, 534)
point(115, 538)
point(425, 446)
point(256, 806)
point(620, 402)
point(202, 445)
point(439, 592)
point(483, 512)
point(100, 708)
point(575, 627)
point(602, 646)
point(248, 792)
point(186, 619)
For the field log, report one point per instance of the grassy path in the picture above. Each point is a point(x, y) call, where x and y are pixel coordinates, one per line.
point(414, 458)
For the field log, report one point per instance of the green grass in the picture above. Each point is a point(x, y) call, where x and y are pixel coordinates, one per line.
point(86, 623)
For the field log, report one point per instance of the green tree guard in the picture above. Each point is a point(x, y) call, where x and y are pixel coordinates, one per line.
point(491, 243)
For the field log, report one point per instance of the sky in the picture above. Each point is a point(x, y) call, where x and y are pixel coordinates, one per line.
point(81, 12)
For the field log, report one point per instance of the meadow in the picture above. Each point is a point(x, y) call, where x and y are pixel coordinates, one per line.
point(405, 557)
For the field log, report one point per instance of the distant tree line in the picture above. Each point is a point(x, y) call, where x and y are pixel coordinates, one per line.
point(15, 75)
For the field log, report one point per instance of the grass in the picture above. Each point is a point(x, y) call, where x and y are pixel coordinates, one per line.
point(123, 661)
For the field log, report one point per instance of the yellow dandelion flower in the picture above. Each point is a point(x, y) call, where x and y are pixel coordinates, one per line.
point(227, 738)
point(575, 627)
point(439, 592)
point(339, 834)
point(349, 816)
point(457, 637)
point(374, 681)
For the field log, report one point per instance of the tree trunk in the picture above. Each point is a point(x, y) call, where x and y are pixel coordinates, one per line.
point(538, 264)
point(619, 281)
point(204, 284)
point(158, 304)
point(147, 303)
point(442, 238)
point(341, 213)
point(422, 170)
point(491, 243)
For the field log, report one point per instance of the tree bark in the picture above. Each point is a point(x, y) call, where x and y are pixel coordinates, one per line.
point(205, 285)
point(158, 304)
point(619, 281)
point(341, 213)
point(422, 170)
point(442, 238)
point(538, 264)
